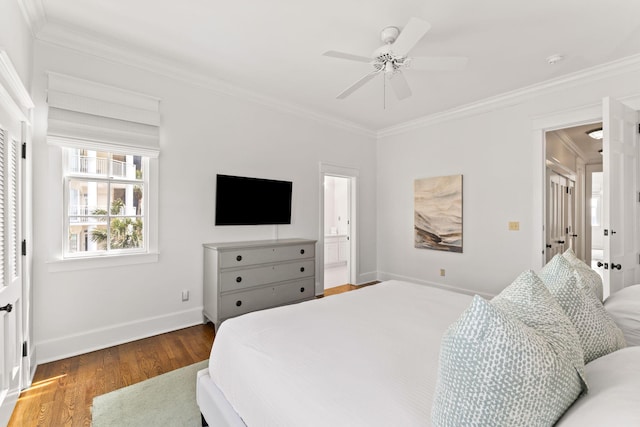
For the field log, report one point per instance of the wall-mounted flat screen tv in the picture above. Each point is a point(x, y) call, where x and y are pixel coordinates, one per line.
point(252, 201)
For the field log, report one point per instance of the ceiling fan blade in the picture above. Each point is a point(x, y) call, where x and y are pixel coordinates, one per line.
point(443, 63)
point(357, 85)
point(349, 56)
point(410, 36)
point(400, 85)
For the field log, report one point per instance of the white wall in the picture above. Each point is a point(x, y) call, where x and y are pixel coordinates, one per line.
point(203, 133)
point(495, 151)
point(15, 38)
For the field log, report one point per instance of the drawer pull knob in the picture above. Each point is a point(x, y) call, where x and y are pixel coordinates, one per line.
point(302, 289)
point(302, 251)
point(239, 258)
point(238, 279)
point(301, 269)
point(238, 303)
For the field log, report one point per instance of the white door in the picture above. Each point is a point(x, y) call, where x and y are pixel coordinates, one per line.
point(10, 272)
point(620, 202)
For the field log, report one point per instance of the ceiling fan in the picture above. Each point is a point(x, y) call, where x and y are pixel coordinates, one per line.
point(393, 57)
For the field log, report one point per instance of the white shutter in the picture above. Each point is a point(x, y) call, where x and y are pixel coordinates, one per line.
point(12, 206)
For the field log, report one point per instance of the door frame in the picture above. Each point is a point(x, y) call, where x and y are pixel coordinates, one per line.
point(352, 174)
point(18, 107)
point(559, 120)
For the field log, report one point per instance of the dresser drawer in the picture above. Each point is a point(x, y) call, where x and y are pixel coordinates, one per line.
point(237, 279)
point(242, 302)
point(244, 257)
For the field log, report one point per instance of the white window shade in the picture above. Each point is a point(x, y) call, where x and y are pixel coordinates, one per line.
point(92, 115)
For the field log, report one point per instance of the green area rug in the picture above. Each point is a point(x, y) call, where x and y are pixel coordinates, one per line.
point(166, 400)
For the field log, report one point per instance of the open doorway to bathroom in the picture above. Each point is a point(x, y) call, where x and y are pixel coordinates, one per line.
point(337, 231)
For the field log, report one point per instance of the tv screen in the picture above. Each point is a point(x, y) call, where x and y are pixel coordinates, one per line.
point(252, 201)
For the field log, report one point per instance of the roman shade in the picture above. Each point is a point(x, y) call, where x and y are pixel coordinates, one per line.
point(85, 114)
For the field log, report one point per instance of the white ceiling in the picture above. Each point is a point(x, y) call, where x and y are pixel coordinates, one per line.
point(273, 49)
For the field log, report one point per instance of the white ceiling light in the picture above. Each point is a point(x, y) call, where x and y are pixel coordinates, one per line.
point(554, 59)
point(595, 133)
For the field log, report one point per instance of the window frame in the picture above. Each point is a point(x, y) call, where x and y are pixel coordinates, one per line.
point(57, 262)
point(108, 179)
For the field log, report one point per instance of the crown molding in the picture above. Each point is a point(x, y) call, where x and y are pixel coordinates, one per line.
point(91, 44)
point(34, 14)
point(572, 146)
point(598, 72)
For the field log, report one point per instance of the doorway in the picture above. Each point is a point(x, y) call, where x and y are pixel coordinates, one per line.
point(571, 154)
point(337, 224)
point(338, 243)
point(595, 193)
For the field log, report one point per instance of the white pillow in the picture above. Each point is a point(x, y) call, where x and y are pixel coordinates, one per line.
point(624, 308)
point(529, 300)
point(614, 392)
point(496, 371)
point(587, 276)
point(599, 334)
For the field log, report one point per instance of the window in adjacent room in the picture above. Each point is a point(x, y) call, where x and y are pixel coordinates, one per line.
point(105, 203)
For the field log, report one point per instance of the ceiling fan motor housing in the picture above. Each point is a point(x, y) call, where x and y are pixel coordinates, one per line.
point(389, 34)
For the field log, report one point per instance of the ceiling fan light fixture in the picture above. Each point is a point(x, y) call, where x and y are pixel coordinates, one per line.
point(388, 67)
point(595, 133)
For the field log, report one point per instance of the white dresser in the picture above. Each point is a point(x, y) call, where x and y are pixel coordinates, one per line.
point(240, 277)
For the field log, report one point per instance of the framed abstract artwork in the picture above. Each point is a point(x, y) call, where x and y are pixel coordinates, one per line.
point(438, 213)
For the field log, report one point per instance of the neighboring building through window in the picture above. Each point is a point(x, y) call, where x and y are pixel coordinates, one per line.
point(105, 203)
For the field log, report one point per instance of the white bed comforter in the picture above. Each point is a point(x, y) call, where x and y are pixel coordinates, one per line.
point(362, 358)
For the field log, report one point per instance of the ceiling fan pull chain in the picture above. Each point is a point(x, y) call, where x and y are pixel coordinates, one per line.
point(384, 91)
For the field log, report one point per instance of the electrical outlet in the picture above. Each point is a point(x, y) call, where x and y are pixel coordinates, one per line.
point(514, 225)
point(185, 295)
point(442, 272)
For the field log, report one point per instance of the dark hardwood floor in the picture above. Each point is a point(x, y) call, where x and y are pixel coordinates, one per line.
point(62, 391)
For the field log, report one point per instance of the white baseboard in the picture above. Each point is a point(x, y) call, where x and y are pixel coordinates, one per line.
point(390, 276)
point(367, 277)
point(97, 339)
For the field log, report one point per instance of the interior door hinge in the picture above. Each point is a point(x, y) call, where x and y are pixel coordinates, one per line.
point(24, 248)
point(24, 150)
point(24, 349)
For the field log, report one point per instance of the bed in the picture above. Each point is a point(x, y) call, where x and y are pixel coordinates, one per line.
point(364, 358)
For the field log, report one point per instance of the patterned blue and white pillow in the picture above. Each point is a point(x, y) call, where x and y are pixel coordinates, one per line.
point(598, 332)
point(496, 371)
point(587, 277)
point(529, 300)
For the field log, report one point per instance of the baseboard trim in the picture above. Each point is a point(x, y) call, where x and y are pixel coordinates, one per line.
point(367, 277)
point(97, 339)
point(390, 276)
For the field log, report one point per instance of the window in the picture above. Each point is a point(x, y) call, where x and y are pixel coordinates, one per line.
point(104, 202)
point(104, 146)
